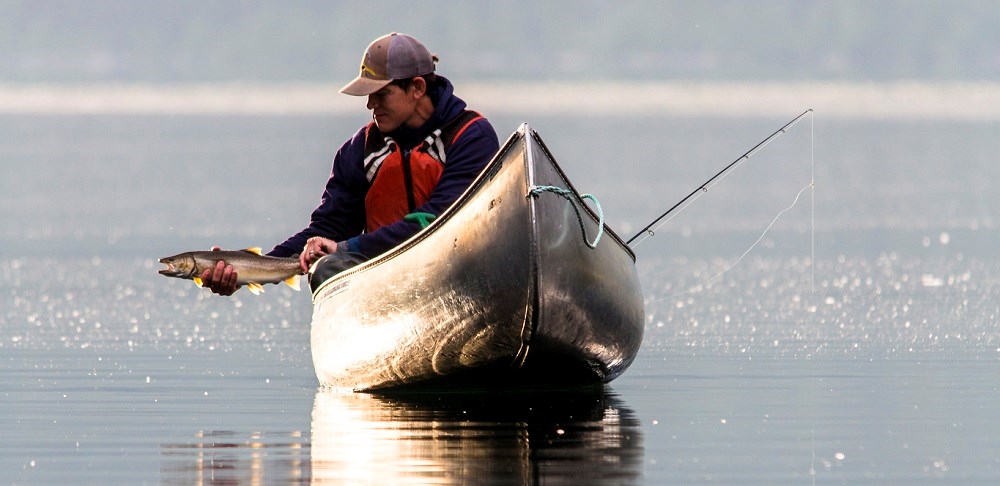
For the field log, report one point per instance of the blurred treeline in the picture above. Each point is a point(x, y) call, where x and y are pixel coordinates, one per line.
point(194, 41)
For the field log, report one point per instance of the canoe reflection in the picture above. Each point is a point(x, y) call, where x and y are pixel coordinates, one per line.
point(495, 438)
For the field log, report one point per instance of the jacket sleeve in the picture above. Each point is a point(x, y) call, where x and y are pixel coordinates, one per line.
point(467, 157)
point(341, 211)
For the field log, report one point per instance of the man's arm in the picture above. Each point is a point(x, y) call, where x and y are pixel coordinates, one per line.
point(341, 211)
point(340, 214)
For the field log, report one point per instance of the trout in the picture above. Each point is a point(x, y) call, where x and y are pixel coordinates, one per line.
point(252, 268)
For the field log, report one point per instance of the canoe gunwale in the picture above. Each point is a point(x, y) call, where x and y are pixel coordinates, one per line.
point(434, 225)
point(523, 131)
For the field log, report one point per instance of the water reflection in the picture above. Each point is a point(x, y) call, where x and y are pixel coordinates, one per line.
point(449, 438)
point(227, 457)
point(441, 438)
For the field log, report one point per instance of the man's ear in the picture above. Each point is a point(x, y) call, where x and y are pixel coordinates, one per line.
point(419, 86)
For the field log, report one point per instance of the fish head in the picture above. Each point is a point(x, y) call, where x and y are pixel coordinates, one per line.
point(181, 265)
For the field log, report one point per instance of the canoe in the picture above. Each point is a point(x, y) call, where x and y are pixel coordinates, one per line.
point(503, 289)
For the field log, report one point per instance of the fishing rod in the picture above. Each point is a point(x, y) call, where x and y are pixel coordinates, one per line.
point(704, 186)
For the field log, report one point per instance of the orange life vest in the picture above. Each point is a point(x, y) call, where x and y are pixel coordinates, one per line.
point(403, 181)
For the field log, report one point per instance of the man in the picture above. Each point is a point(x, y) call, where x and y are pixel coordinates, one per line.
point(419, 153)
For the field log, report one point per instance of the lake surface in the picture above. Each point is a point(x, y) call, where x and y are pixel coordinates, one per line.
point(857, 342)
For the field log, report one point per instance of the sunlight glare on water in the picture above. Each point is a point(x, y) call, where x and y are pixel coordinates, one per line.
point(874, 361)
point(887, 307)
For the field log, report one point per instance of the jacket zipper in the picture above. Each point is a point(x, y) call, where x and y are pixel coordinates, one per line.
point(408, 180)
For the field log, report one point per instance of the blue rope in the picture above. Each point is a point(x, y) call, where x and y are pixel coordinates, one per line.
point(568, 194)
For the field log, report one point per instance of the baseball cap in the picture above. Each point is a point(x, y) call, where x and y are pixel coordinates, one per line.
point(390, 57)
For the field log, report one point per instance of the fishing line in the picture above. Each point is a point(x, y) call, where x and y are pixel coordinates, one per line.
point(812, 213)
point(650, 230)
point(748, 250)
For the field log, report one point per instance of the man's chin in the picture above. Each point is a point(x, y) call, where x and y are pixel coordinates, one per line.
point(384, 126)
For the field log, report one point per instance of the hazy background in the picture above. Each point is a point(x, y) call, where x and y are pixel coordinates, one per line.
point(906, 95)
point(197, 41)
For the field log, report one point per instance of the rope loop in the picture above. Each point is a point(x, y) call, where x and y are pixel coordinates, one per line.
point(568, 195)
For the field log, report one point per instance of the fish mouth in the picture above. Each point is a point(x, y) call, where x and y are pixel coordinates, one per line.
point(170, 270)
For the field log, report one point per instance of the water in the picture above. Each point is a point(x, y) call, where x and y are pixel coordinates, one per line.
point(875, 362)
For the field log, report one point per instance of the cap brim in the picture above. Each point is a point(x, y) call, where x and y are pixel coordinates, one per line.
point(364, 86)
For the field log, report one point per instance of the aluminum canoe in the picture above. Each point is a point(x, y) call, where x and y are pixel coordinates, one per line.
point(501, 290)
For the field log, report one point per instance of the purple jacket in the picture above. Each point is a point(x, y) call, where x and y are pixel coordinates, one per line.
point(341, 212)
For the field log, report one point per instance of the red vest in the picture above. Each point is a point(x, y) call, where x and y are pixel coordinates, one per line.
point(401, 182)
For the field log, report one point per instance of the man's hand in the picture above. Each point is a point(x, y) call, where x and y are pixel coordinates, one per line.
point(220, 279)
point(316, 247)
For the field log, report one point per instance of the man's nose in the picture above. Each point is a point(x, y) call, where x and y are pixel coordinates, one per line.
point(371, 102)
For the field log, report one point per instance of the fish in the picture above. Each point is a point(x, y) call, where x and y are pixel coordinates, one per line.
point(253, 269)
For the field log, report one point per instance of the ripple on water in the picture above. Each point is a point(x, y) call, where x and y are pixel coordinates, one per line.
point(864, 307)
point(124, 304)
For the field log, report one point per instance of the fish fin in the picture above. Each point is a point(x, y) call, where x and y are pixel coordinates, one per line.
point(255, 250)
point(255, 288)
point(293, 282)
point(198, 282)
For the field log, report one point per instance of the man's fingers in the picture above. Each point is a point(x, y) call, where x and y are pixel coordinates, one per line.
point(315, 248)
point(230, 277)
point(218, 271)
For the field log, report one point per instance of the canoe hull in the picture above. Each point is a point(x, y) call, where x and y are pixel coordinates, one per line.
point(501, 288)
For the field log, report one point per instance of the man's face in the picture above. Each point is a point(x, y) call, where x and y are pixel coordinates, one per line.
point(392, 107)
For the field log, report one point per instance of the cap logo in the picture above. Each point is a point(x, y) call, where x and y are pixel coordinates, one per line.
point(368, 72)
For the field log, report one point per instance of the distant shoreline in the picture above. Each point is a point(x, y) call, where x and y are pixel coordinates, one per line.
point(893, 100)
